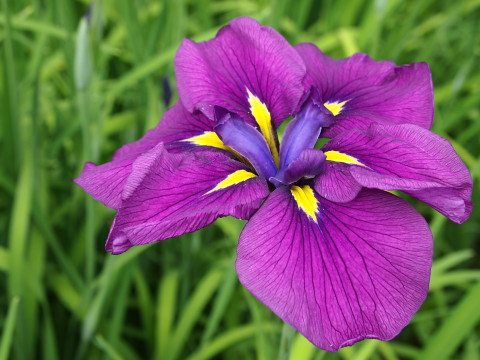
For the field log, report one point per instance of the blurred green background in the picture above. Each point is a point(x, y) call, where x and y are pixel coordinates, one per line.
point(73, 91)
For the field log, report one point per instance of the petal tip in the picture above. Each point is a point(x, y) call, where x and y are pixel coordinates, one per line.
point(117, 242)
point(353, 341)
point(465, 215)
point(87, 167)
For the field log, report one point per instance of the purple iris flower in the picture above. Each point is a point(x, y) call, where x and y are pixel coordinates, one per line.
point(327, 247)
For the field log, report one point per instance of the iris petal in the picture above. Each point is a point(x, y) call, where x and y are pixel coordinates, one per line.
point(243, 55)
point(105, 182)
point(335, 183)
point(169, 195)
point(411, 159)
point(377, 91)
point(208, 138)
point(233, 179)
point(361, 271)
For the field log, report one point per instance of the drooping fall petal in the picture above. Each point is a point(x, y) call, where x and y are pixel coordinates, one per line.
point(361, 91)
point(348, 272)
point(105, 182)
point(180, 193)
point(411, 159)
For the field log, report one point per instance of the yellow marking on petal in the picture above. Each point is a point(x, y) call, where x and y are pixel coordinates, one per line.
point(341, 157)
point(262, 116)
point(306, 200)
point(335, 107)
point(233, 179)
point(208, 138)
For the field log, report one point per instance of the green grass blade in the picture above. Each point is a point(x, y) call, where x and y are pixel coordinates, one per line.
point(455, 329)
point(108, 348)
point(262, 349)
point(451, 260)
point(4, 259)
point(166, 310)
point(286, 341)
point(452, 278)
point(302, 348)
point(230, 338)
point(9, 328)
point(192, 312)
point(224, 295)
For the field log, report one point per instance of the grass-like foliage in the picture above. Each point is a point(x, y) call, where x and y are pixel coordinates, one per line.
point(73, 90)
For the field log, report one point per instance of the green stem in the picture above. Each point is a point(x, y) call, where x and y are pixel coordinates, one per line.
point(286, 342)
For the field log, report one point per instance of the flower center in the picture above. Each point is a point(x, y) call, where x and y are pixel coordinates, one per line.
point(285, 164)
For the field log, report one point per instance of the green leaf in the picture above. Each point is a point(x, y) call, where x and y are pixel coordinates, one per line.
point(166, 310)
point(83, 56)
point(302, 348)
point(9, 328)
point(230, 338)
point(192, 312)
point(455, 328)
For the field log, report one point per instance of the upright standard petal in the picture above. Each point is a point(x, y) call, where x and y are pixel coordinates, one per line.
point(361, 270)
point(245, 59)
point(180, 193)
point(105, 182)
point(411, 159)
point(359, 90)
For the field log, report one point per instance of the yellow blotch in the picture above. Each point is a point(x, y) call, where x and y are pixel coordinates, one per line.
point(335, 107)
point(306, 200)
point(262, 116)
point(341, 157)
point(233, 179)
point(208, 138)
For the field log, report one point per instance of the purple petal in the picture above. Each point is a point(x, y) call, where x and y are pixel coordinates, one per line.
point(105, 182)
point(309, 164)
point(375, 91)
point(335, 183)
point(244, 55)
point(411, 159)
point(176, 193)
point(303, 131)
point(247, 141)
point(361, 272)
point(179, 124)
point(176, 124)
